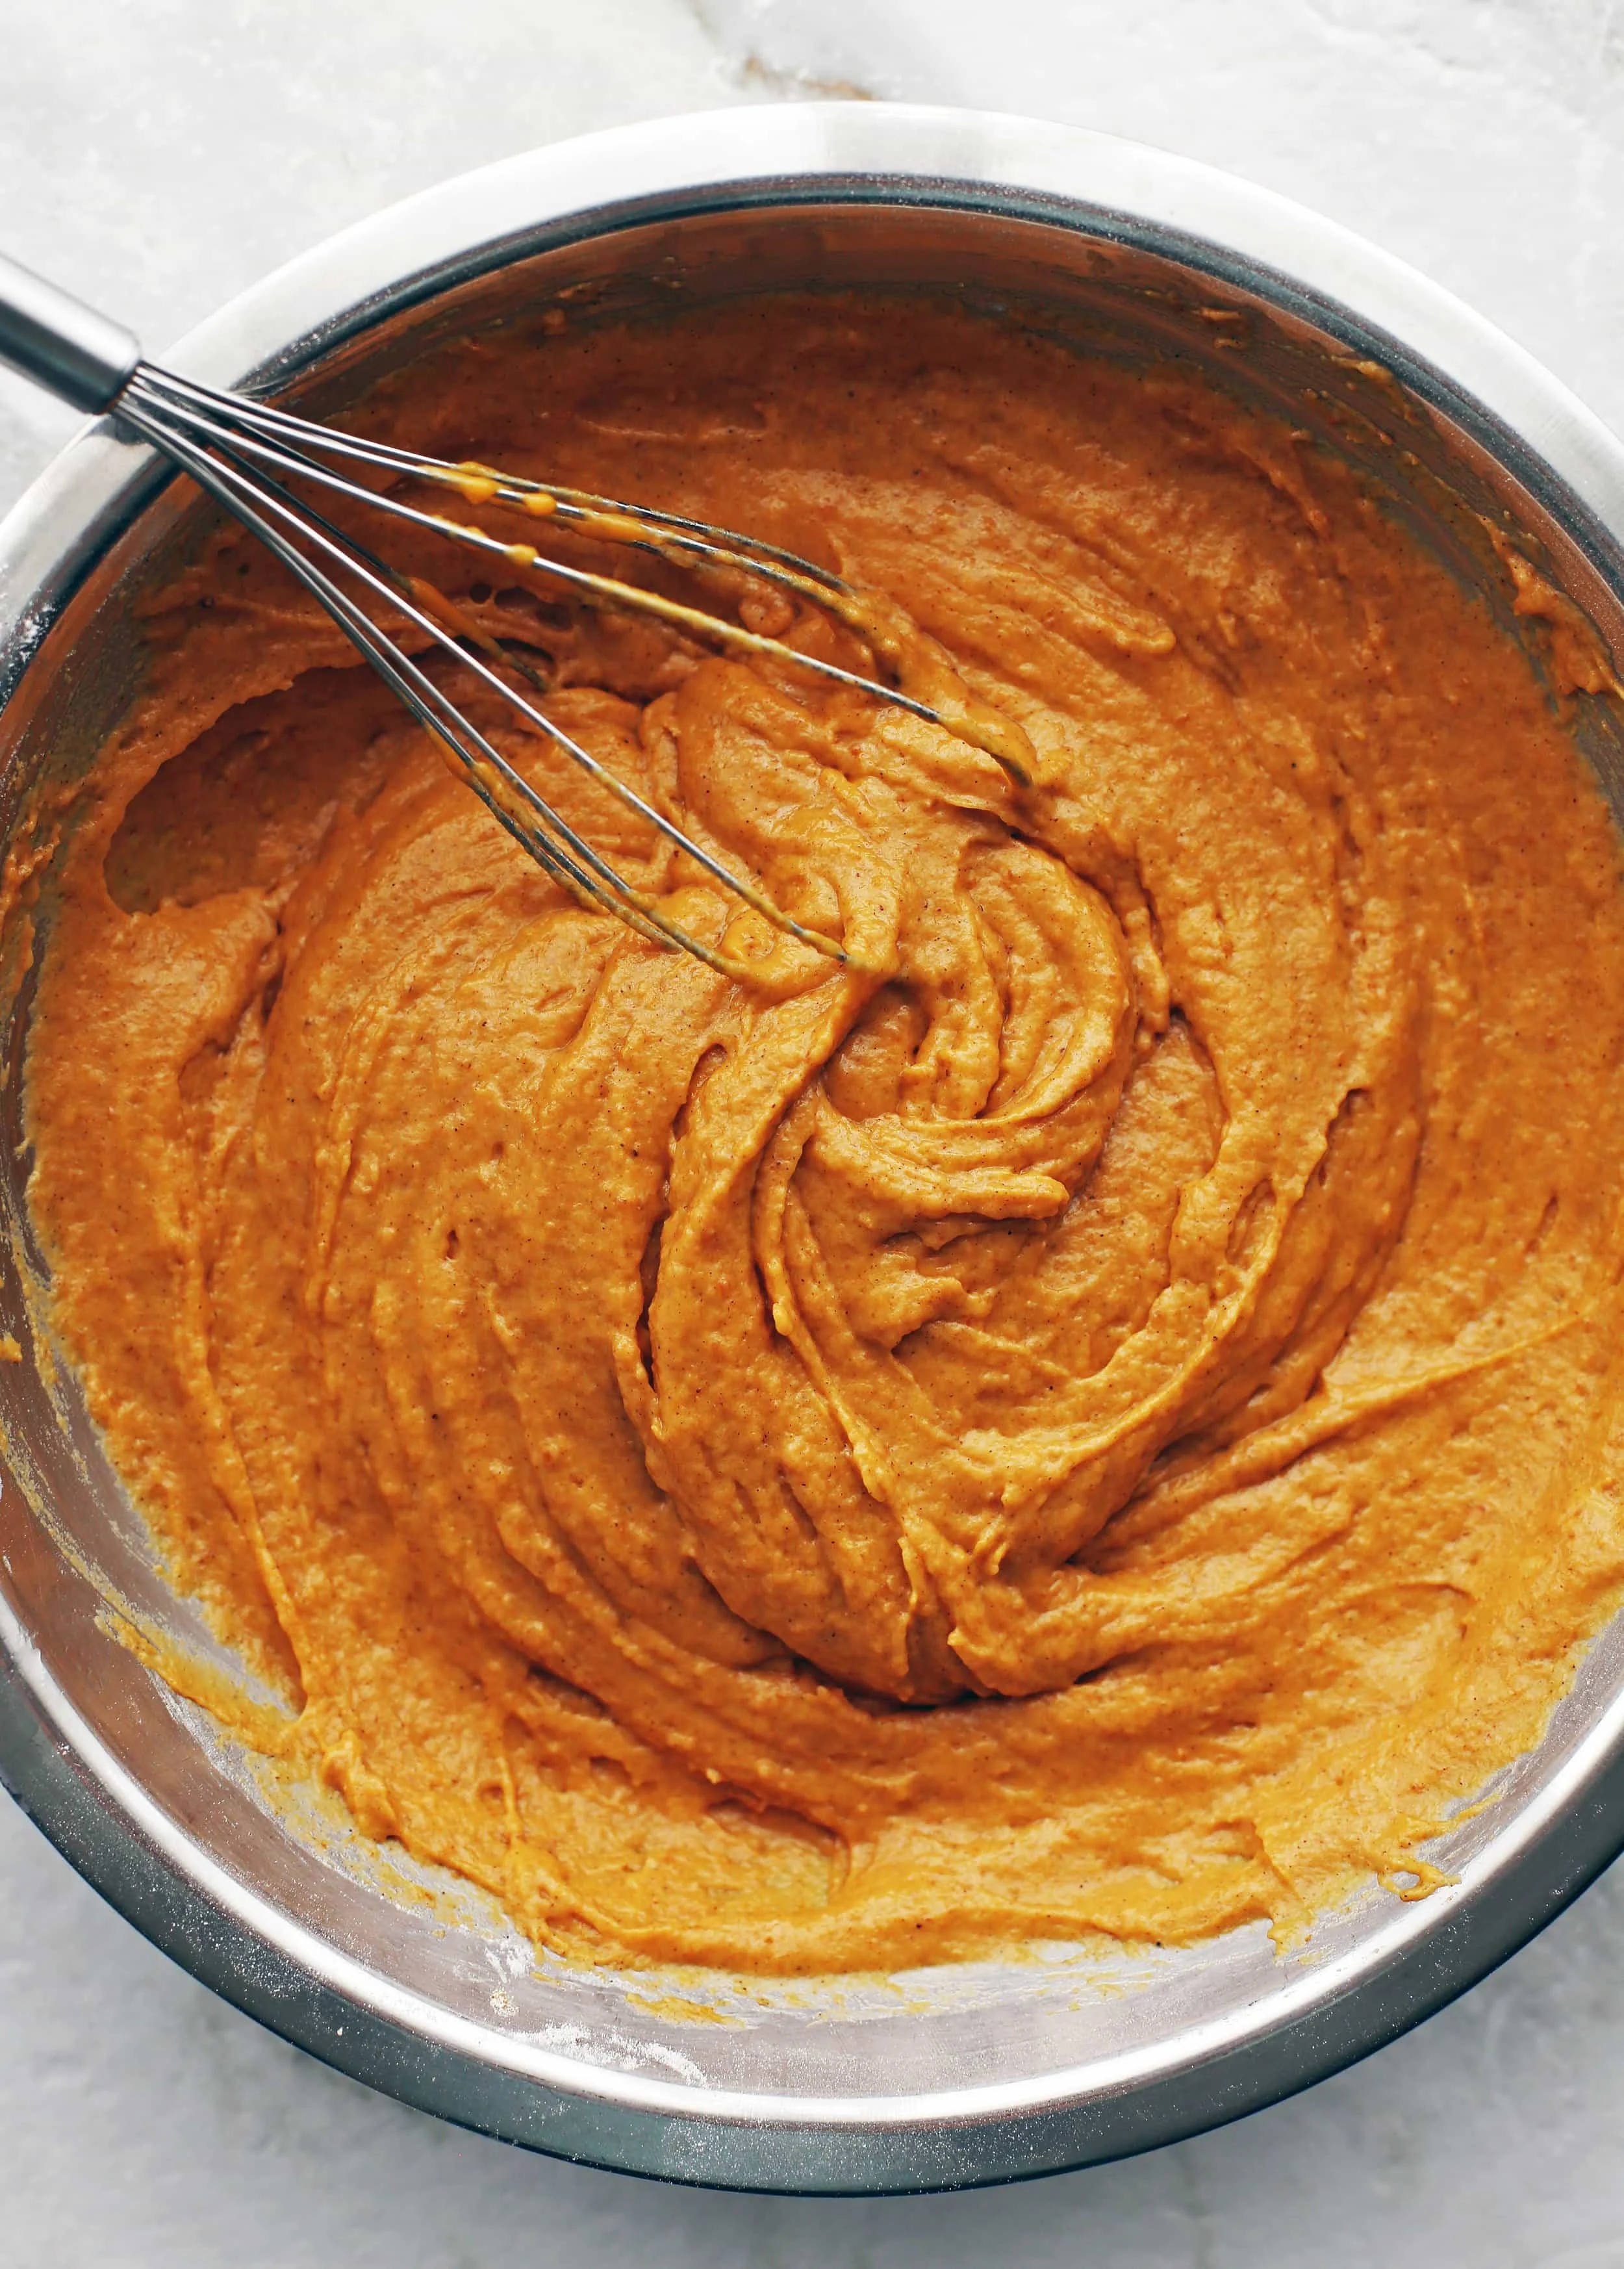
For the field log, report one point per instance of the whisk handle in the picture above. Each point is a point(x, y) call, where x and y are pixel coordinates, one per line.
point(60, 342)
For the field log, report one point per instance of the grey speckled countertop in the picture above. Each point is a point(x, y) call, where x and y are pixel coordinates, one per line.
point(159, 154)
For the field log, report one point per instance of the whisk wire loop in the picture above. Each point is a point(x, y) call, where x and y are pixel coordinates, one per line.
point(401, 592)
point(663, 534)
point(242, 452)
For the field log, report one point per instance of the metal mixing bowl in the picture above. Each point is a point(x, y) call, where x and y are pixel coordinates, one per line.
point(972, 2075)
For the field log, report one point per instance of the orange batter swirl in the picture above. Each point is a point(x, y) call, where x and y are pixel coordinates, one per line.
point(1102, 1419)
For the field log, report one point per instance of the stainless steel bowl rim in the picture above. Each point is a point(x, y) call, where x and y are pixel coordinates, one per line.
point(829, 153)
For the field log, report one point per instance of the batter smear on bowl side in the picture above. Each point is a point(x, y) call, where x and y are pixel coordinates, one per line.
point(1100, 1414)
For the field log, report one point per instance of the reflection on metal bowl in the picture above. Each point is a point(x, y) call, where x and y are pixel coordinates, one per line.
point(972, 2075)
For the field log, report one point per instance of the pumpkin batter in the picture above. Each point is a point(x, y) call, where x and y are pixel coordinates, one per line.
point(1103, 1420)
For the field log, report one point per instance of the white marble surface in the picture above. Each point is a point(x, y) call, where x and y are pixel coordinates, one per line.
point(158, 154)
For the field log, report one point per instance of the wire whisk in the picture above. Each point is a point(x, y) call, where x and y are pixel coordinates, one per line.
point(244, 453)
